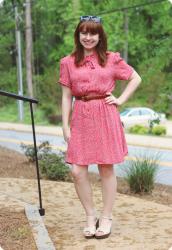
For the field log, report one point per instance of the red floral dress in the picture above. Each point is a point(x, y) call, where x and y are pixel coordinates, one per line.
point(97, 134)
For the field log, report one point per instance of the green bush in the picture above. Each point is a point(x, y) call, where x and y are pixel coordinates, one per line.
point(159, 130)
point(156, 130)
point(29, 150)
point(152, 124)
point(141, 173)
point(48, 108)
point(139, 129)
point(53, 167)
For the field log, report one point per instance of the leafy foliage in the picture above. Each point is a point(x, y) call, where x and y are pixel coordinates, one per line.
point(142, 130)
point(52, 165)
point(159, 130)
point(29, 150)
point(139, 129)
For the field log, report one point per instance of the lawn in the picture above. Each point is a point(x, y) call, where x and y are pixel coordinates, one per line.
point(10, 113)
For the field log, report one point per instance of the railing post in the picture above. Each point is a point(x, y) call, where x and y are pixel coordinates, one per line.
point(31, 101)
point(41, 210)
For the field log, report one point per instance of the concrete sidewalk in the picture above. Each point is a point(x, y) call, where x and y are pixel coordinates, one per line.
point(135, 140)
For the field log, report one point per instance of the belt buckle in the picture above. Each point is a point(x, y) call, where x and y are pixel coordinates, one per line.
point(84, 98)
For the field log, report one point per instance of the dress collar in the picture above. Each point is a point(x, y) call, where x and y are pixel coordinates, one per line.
point(89, 57)
point(89, 60)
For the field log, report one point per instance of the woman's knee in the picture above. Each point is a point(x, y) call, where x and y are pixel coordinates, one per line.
point(106, 170)
point(78, 172)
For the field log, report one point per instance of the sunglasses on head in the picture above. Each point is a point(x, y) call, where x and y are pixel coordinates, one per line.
point(95, 19)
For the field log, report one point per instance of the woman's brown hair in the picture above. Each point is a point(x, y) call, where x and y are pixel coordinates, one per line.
point(101, 48)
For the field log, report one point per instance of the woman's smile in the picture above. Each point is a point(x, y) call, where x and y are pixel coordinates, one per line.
point(89, 40)
point(89, 43)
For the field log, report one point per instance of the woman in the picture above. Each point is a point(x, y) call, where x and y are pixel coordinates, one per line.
point(94, 131)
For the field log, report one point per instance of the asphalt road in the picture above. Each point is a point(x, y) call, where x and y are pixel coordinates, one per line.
point(13, 140)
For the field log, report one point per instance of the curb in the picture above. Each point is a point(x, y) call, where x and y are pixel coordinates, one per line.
point(49, 130)
point(134, 140)
point(40, 233)
point(149, 146)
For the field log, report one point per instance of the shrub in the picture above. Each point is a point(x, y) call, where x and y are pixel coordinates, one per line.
point(29, 150)
point(139, 129)
point(141, 173)
point(48, 108)
point(51, 113)
point(159, 130)
point(152, 124)
point(55, 119)
point(53, 167)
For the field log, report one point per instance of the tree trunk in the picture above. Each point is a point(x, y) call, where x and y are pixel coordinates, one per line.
point(125, 50)
point(29, 48)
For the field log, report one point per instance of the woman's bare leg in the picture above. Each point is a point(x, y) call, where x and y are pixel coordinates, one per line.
point(83, 187)
point(109, 187)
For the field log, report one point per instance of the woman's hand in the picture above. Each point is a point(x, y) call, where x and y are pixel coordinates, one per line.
point(66, 133)
point(111, 99)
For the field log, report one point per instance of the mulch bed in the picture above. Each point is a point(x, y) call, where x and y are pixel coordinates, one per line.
point(15, 233)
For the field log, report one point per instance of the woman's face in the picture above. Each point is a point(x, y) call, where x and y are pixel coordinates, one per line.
point(88, 40)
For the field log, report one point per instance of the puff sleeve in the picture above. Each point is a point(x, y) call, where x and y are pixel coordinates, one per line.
point(123, 70)
point(64, 76)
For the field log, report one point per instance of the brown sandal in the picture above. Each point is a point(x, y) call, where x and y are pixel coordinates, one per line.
point(106, 232)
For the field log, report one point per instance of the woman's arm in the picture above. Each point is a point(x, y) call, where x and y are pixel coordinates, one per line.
point(132, 85)
point(66, 111)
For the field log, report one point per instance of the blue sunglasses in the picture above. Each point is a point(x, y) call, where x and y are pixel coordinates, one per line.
point(95, 19)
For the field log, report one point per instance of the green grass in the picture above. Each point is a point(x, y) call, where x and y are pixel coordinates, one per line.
point(10, 114)
point(141, 173)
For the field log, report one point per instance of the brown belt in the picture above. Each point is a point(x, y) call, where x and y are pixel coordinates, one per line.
point(90, 97)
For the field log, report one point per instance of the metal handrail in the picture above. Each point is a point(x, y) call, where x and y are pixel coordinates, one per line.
point(31, 101)
point(18, 97)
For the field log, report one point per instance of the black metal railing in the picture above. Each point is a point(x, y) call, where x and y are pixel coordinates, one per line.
point(31, 101)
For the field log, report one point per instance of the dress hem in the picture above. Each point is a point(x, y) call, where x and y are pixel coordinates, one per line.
point(96, 162)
